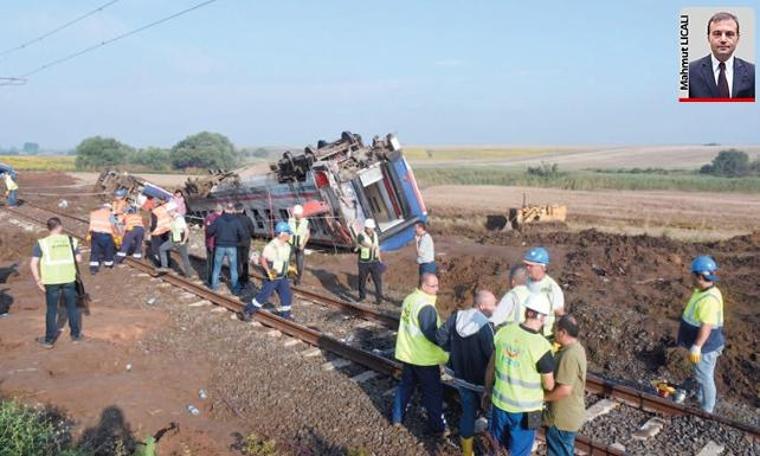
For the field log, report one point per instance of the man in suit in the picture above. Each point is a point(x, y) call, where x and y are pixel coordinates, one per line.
point(721, 74)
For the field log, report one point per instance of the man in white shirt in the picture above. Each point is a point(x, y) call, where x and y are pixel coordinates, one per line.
point(721, 74)
point(425, 249)
point(536, 260)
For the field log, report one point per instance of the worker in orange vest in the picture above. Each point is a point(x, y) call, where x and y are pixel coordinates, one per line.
point(101, 232)
point(134, 232)
point(160, 228)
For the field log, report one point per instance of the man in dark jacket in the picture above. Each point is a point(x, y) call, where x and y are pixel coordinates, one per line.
point(207, 222)
point(228, 234)
point(468, 337)
point(244, 249)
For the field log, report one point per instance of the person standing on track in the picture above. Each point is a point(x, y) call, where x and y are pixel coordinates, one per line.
point(160, 228)
point(228, 235)
point(468, 337)
point(701, 329)
point(274, 259)
point(566, 407)
point(11, 189)
point(244, 249)
point(511, 308)
point(54, 270)
point(420, 356)
point(299, 225)
point(536, 260)
point(520, 370)
point(101, 232)
point(207, 222)
point(369, 261)
point(178, 238)
point(425, 249)
point(134, 232)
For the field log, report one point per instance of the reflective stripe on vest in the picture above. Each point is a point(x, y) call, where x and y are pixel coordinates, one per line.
point(57, 262)
point(100, 221)
point(412, 347)
point(132, 221)
point(279, 263)
point(518, 384)
point(300, 230)
point(369, 253)
point(690, 312)
point(163, 221)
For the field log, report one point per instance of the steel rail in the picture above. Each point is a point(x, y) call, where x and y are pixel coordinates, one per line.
point(594, 384)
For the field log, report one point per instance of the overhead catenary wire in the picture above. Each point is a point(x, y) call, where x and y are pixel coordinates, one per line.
point(116, 38)
point(57, 29)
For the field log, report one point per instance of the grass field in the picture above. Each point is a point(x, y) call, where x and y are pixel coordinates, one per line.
point(587, 180)
point(419, 153)
point(39, 162)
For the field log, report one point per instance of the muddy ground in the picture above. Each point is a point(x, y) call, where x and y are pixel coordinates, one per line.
point(628, 292)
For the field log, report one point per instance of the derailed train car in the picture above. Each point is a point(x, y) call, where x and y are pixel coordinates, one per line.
point(339, 184)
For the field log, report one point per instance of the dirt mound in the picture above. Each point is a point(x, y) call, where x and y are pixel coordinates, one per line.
point(44, 179)
point(15, 246)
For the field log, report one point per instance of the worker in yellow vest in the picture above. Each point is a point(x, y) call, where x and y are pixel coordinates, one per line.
point(54, 271)
point(701, 329)
point(520, 370)
point(419, 355)
point(274, 260)
point(299, 225)
point(101, 232)
point(511, 308)
point(134, 232)
point(11, 189)
point(369, 261)
point(160, 228)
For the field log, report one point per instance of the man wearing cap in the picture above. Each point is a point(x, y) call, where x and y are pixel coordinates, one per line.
point(369, 261)
point(299, 226)
point(101, 231)
point(228, 234)
point(520, 370)
point(701, 329)
point(133, 235)
point(274, 259)
point(536, 260)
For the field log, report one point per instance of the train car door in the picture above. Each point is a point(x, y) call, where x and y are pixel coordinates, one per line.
point(379, 194)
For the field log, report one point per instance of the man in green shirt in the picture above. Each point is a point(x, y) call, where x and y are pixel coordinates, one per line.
point(566, 411)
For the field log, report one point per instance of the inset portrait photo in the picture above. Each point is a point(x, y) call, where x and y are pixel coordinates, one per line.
point(717, 54)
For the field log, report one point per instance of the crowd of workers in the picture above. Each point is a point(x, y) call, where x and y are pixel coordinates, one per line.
point(518, 361)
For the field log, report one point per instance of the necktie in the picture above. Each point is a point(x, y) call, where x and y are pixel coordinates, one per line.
point(723, 82)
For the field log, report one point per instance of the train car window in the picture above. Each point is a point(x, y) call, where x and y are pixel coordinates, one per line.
point(258, 218)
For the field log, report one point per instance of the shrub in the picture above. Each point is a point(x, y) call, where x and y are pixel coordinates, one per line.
point(728, 163)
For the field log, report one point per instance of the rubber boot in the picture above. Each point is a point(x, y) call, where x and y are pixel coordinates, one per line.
point(467, 443)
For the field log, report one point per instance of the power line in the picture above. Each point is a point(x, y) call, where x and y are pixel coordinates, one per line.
point(114, 39)
point(57, 29)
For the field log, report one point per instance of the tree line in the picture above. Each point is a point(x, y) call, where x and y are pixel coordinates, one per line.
point(204, 150)
point(732, 163)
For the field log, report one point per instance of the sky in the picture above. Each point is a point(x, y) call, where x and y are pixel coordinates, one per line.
point(288, 72)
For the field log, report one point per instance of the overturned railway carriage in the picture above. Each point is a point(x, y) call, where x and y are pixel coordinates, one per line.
point(339, 184)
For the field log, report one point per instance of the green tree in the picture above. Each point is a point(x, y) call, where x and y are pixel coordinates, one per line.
point(98, 153)
point(205, 150)
point(154, 158)
point(728, 163)
point(31, 148)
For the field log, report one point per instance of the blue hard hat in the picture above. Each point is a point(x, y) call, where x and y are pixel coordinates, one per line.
point(537, 255)
point(705, 266)
point(282, 227)
point(120, 193)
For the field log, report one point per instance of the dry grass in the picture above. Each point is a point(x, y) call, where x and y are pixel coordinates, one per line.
point(39, 162)
point(422, 153)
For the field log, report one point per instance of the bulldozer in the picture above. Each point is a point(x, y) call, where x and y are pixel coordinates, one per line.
point(517, 217)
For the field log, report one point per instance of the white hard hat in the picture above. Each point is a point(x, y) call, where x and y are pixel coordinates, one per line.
point(538, 302)
point(297, 209)
point(370, 223)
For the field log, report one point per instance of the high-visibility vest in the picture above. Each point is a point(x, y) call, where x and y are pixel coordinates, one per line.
point(119, 206)
point(100, 221)
point(132, 221)
point(281, 258)
point(368, 254)
point(163, 221)
point(57, 263)
point(10, 184)
point(412, 347)
point(697, 298)
point(300, 229)
point(518, 385)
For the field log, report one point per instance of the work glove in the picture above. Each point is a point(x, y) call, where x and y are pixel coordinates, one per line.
point(292, 270)
point(88, 238)
point(271, 275)
point(695, 354)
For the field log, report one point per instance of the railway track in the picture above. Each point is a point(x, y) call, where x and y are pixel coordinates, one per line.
point(615, 402)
